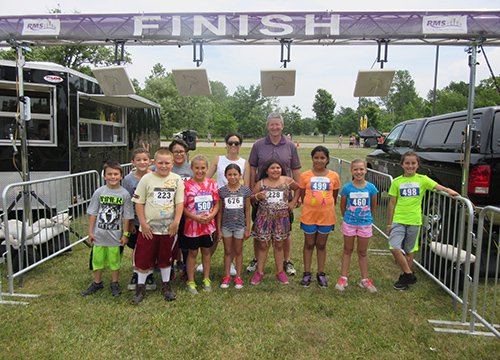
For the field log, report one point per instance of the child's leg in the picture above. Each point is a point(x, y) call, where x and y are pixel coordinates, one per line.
point(206, 255)
point(97, 276)
point(115, 275)
point(401, 260)
point(409, 260)
point(262, 250)
point(321, 250)
point(191, 263)
point(346, 255)
point(228, 254)
point(278, 254)
point(238, 255)
point(362, 256)
point(309, 242)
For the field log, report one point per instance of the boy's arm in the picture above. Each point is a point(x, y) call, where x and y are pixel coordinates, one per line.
point(173, 228)
point(92, 220)
point(390, 212)
point(124, 238)
point(449, 191)
point(145, 227)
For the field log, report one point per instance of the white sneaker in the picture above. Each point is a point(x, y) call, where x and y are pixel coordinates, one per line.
point(200, 268)
point(232, 270)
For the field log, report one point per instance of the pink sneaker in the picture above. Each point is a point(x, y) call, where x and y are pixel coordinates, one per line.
point(257, 278)
point(281, 276)
point(238, 283)
point(341, 284)
point(226, 280)
point(368, 285)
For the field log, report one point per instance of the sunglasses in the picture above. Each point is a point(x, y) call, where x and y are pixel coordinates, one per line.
point(233, 143)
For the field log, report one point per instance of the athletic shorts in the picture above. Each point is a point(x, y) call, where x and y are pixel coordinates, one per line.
point(106, 256)
point(404, 237)
point(157, 250)
point(357, 230)
point(311, 229)
point(204, 241)
point(237, 234)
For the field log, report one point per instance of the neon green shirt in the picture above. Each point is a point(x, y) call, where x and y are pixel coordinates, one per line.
point(409, 192)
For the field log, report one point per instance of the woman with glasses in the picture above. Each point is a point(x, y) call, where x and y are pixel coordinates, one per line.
point(182, 167)
point(218, 166)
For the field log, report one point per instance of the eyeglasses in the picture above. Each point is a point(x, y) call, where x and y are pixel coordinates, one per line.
point(233, 143)
point(179, 152)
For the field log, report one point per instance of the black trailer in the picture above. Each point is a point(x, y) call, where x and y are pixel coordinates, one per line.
point(74, 127)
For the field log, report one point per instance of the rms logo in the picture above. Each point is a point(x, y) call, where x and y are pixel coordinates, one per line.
point(444, 25)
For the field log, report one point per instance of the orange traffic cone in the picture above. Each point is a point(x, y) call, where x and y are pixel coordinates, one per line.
point(298, 144)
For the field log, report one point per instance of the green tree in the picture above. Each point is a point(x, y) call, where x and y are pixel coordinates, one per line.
point(293, 121)
point(348, 121)
point(403, 102)
point(324, 108)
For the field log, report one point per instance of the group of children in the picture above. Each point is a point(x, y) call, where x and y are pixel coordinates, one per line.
point(163, 199)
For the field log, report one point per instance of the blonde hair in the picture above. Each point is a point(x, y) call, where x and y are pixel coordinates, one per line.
point(199, 158)
point(358, 161)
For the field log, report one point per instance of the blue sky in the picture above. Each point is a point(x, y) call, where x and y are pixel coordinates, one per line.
point(332, 68)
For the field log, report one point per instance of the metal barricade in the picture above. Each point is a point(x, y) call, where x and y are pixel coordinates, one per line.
point(484, 307)
point(44, 218)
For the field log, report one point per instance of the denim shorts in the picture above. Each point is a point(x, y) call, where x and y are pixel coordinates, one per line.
point(237, 234)
point(311, 229)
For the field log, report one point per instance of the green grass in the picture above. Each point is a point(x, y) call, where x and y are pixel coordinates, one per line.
point(269, 321)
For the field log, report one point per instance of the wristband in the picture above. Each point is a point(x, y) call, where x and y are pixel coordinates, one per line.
point(126, 234)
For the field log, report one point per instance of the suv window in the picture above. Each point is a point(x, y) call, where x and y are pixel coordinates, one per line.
point(439, 133)
point(408, 135)
point(495, 143)
point(390, 141)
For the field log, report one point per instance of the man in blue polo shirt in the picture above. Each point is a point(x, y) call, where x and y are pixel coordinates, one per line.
point(277, 146)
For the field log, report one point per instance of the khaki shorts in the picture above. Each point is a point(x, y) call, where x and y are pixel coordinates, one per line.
point(404, 237)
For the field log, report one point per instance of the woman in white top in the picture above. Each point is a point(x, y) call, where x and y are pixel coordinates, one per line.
point(218, 166)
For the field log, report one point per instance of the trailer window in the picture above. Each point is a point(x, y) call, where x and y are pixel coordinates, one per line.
point(40, 129)
point(100, 124)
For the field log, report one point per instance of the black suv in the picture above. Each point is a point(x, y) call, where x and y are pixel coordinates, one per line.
point(439, 141)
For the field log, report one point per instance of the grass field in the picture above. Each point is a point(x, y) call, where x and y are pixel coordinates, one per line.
point(269, 321)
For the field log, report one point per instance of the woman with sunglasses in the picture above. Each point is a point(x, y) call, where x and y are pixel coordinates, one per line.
point(218, 166)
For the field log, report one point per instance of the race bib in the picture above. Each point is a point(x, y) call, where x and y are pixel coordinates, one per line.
point(358, 199)
point(320, 183)
point(233, 202)
point(409, 189)
point(203, 203)
point(274, 196)
point(163, 196)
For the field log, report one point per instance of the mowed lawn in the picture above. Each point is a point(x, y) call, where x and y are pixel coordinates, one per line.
point(269, 321)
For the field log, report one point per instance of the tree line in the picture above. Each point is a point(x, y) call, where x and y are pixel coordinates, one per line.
point(245, 110)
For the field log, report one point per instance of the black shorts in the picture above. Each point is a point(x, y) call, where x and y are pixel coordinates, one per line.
point(133, 238)
point(204, 241)
point(180, 235)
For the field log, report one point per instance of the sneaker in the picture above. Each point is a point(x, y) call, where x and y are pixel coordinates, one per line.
point(93, 288)
point(281, 276)
point(368, 285)
point(322, 281)
point(115, 289)
point(404, 281)
point(150, 282)
point(225, 282)
point(306, 279)
point(140, 290)
point(412, 279)
point(289, 268)
point(232, 270)
point(199, 268)
point(252, 266)
point(257, 278)
point(207, 284)
point(238, 283)
point(133, 282)
point(167, 292)
point(191, 287)
point(341, 284)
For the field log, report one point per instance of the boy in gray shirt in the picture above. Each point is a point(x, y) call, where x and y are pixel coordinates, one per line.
point(110, 210)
